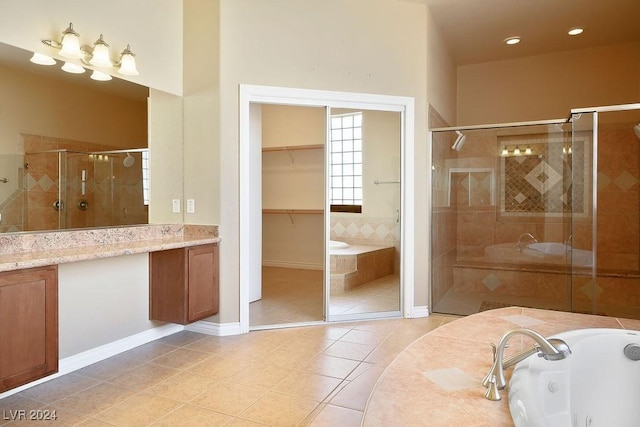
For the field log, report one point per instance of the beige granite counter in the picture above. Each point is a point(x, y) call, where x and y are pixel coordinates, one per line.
point(436, 380)
point(26, 250)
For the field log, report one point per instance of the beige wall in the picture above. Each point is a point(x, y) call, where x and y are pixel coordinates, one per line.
point(153, 28)
point(548, 86)
point(441, 74)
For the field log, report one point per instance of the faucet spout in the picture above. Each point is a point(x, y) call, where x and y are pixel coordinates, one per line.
point(524, 236)
point(552, 349)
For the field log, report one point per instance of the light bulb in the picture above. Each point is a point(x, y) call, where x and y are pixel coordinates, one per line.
point(72, 68)
point(70, 44)
point(100, 56)
point(41, 59)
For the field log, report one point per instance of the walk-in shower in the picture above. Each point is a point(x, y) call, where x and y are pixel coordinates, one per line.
point(63, 188)
point(538, 214)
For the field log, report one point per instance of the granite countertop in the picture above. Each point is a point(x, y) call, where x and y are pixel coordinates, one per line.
point(436, 380)
point(27, 250)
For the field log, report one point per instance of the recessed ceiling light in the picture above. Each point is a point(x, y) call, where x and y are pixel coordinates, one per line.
point(512, 40)
point(575, 31)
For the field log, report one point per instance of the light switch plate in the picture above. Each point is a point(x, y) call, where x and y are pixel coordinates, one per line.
point(191, 206)
point(175, 205)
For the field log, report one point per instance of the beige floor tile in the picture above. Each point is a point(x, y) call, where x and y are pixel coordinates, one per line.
point(239, 422)
point(144, 353)
point(144, 376)
point(220, 366)
point(349, 350)
point(355, 394)
point(307, 385)
point(95, 399)
point(19, 402)
point(332, 416)
point(183, 386)
point(330, 366)
point(209, 344)
point(286, 358)
point(229, 398)
point(363, 337)
point(181, 358)
point(276, 409)
point(261, 375)
point(193, 416)
point(141, 409)
point(59, 388)
point(93, 423)
point(182, 338)
point(111, 367)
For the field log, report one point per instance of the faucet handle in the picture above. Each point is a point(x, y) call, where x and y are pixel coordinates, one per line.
point(492, 392)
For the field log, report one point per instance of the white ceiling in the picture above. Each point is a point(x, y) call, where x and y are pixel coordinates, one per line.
point(475, 30)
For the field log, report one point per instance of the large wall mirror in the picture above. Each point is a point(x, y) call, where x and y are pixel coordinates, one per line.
point(73, 150)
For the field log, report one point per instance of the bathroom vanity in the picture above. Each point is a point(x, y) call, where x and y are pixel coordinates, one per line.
point(71, 298)
point(28, 325)
point(183, 284)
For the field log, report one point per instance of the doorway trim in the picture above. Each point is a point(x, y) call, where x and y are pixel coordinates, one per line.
point(250, 196)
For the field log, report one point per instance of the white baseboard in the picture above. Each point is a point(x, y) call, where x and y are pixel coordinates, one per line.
point(89, 357)
point(287, 264)
point(216, 329)
point(420, 311)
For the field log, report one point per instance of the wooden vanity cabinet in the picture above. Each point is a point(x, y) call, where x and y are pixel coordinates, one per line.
point(183, 284)
point(28, 325)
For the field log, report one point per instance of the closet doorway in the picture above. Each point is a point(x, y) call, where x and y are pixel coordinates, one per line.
point(264, 211)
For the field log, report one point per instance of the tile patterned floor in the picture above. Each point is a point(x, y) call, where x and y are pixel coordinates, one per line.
point(312, 376)
point(295, 295)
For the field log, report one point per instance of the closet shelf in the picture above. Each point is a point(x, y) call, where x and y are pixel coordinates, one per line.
point(292, 211)
point(294, 148)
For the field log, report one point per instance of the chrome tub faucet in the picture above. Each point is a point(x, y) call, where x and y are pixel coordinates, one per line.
point(525, 236)
point(551, 349)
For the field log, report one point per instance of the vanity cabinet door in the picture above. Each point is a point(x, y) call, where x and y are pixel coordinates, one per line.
point(183, 284)
point(28, 325)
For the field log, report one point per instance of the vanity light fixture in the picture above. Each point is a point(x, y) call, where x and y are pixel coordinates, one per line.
point(98, 56)
point(41, 59)
point(512, 40)
point(100, 76)
point(69, 45)
point(127, 63)
point(528, 151)
point(516, 151)
point(575, 31)
point(72, 68)
point(505, 152)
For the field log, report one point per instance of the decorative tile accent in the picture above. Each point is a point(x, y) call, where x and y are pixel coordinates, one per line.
point(492, 282)
point(625, 181)
point(451, 379)
point(544, 183)
point(523, 320)
point(590, 290)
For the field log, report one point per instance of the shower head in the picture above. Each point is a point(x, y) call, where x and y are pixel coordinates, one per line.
point(636, 129)
point(128, 161)
point(459, 141)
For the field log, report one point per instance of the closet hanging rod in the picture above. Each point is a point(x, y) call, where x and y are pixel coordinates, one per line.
point(376, 182)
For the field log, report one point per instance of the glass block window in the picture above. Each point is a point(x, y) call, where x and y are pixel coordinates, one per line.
point(346, 160)
point(145, 177)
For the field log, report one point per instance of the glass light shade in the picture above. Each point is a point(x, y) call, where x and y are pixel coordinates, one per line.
point(73, 68)
point(100, 76)
point(527, 151)
point(41, 59)
point(100, 56)
point(128, 63)
point(71, 45)
point(505, 152)
point(516, 151)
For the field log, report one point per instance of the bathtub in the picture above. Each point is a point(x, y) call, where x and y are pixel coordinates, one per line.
point(335, 244)
point(550, 253)
point(598, 385)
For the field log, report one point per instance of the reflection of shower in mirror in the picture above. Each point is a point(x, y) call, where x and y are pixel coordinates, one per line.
point(128, 161)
